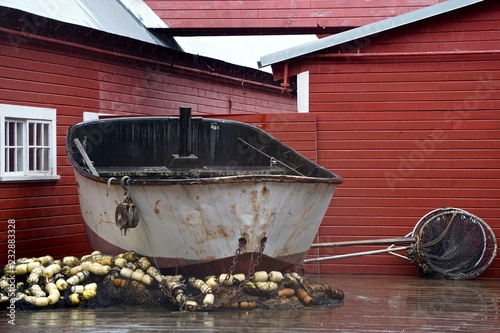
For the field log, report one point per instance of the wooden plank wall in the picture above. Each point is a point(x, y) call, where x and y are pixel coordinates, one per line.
point(410, 130)
point(203, 14)
point(73, 81)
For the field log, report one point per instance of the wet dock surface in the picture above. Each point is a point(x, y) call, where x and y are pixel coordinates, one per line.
point(372, 304)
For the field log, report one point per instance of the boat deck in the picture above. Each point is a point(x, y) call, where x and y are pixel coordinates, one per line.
point(372, 304)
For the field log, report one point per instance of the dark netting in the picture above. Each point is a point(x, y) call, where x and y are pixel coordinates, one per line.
point(99, 281)
point(451, 243)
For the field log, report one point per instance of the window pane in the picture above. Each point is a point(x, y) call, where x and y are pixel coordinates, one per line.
point(46, 134)
point(14, 146)
point(31, 131)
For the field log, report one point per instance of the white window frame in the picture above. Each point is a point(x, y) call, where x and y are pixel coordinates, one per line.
point(26, 114)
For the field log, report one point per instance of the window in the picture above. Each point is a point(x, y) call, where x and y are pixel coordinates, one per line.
point(27, 143)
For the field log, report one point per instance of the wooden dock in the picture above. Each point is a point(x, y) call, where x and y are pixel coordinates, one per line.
point(372, 304)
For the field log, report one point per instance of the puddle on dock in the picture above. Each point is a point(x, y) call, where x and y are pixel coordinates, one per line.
point(371, 304)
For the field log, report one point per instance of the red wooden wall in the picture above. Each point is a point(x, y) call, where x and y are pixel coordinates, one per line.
point(411, 123)
point(308, 15)
point(39, 73)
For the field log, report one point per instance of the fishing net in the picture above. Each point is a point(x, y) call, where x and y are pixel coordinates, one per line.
point(451, 243)
point(100, 281)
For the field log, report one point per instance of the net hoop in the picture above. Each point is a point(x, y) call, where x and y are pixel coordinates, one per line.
point(456, 230)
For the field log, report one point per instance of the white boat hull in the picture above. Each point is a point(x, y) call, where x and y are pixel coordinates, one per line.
point(196, 228)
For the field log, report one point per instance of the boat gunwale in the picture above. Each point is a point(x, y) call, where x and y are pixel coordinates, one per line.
point(155, 180)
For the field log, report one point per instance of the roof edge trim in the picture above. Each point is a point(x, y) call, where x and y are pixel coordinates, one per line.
point(365, 31)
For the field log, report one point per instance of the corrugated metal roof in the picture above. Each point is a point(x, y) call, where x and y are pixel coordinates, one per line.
point(118, 17)
point(365, 31)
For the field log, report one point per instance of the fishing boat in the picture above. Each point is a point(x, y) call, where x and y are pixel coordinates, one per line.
point(197, 195)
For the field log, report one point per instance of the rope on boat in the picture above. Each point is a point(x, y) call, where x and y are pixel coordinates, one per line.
point(271, 158)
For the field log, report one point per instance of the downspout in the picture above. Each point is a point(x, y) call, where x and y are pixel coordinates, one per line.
point(285, 86)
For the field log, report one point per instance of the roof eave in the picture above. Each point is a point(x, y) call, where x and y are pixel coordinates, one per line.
point(365, 31)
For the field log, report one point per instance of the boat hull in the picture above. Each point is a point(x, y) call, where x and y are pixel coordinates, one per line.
point(196, 228)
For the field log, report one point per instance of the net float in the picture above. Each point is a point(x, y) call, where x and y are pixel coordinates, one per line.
point(137, 284)
point(78, 278)
point(173, 278)
point(10, 269)
point(226, 279)
point(200, 284)
point(144, 263)
point(297, 276)
point(19, 286)
point(120, 262)
point(50, 286)
point(105, 260)
point(304, 297)
point(88, 294)
point(52, 269)
point(41, 301)
point(37, 291)
point(74, 299)
point(75, 270)
point(130, 256)
point(286, 292)
point(71, 261)
point(61, 284)
point(240, 277)
point(138, 274)
point(291, 281)
point(54, 294)
point(78, 289)
point(126, 272)
point(251, 288)
point(147, 279)
point(152, 271)
point(45, 260)
point(4, 283)
point(191, 305)
point(275, 276)
point(91, 286)
point(32, 265)
point(260, 276)
point(241, 305)
point(98, 269)
point(22, 269)
point(212, 281)
point(208, 299)
point(267, 286)
point(34, 276)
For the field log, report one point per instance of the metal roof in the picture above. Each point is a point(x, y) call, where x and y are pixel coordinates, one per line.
point(127, 18)
point(365, 31)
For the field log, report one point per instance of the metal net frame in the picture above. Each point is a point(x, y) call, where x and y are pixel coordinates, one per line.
point(451, 243)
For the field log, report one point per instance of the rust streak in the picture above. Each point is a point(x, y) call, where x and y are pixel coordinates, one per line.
point(156, 210)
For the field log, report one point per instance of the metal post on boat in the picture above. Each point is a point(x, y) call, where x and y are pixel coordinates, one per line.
point(184, 160)
point(184, 130)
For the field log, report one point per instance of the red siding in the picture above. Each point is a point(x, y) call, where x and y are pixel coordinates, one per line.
point(257, 14)
point(411, 123)
point(71, 80)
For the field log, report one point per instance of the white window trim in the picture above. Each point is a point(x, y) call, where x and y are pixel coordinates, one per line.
point(25, 113)
point(303, 92)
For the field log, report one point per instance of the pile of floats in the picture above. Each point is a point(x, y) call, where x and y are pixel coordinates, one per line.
point(103, 280)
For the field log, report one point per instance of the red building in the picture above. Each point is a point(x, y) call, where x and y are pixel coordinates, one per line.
point(405, 113)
